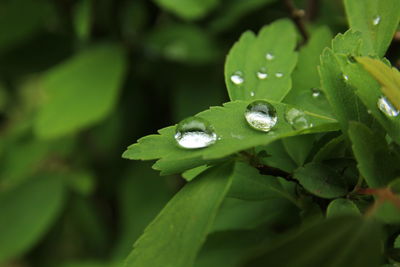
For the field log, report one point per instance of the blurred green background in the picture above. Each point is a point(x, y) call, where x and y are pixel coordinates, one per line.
point(80, 80)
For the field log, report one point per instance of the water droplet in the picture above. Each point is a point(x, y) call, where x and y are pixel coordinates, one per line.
point(237, 78)
point(252, 93)
point(193, 132)
point(345, 77)
point(315, 92)
point(376, 20)
point(387, 107)
point(369, 111)
point(261, 115)
point(297, 119)
point(279, 75)
point(262, 74)
point(269, 56)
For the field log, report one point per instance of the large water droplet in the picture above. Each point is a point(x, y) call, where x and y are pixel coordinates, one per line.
point(279, 75)
point(262, 74)
point(237, 78)
point(387, 107)
point(315, 92)
point(261, 115)
point(193, 132)
point(269, 56)
point(297, 119)
point(376, 20)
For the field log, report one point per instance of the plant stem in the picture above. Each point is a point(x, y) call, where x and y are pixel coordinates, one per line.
point(297, 16)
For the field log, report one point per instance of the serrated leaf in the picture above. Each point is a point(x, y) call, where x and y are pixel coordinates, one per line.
point(275, 155)
point(188, 9)
point(305, 76)
point(342, 241)
point(249, 56)
point(179, 231)
point(341, 207)
point(80, 91)
point(27, 212)
point(341, 96)
point(192, 173)
point(377, 20)
point(321, 180)
point(335, 148)
point(249, 184)
point(299, 147)
point(388, 78)
point(367, 89)
point(234, 132)
point(377, 164)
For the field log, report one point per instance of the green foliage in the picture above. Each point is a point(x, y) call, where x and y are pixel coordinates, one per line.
point(306, 176)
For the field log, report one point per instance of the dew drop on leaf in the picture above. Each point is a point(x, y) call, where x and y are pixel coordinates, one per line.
point(345, 77)
point(297, 119)
point(193, 132)
point(269, 56)
point(261, 115)
point(387, 108)
point(252, 93)
point(279, 75)
point(237, 78)
point(262, 74)
point(376, 20)
point(315, 92)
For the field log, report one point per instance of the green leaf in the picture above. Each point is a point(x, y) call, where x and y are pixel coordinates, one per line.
point(192, 173)
point(341, 96)
point(233, 11)
point(321, 180)
point(305, 75)
point(82, 19)
point(367, 89)
point(182, 43)
point(249, 184)
point(174, 238)
point(188, 9)
point(81, 91)
point(377, 20)
point(237, 214)
point(136, 209)
point(342, 241)
point(275, 155)
point(388, 78)
point(27, 212)
point(335, 148)
point(248, 56)
point(299, 147)
point(377, 164)
point(341, 207)
point(230, 125)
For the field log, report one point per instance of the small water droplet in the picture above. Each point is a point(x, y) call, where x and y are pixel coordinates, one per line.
point(376, 20)
point(252, 93)
point(315, 92)
point(345, 77)
point(369, 111)
point(237, 78)
point(193, 132)
point(269, 56)
point(261, 115)
point(297, 119)
point(279, 75)
point(387, 107)
point(262, 74)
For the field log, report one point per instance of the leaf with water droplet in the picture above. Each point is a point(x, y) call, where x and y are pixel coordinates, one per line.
point(387, 107)
point(228, 122)
point(192, 133)
point(340, 94)
point(377, 20)
point(305, 76)
point(261, 115)
point(266, 62)
point(370, 91)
